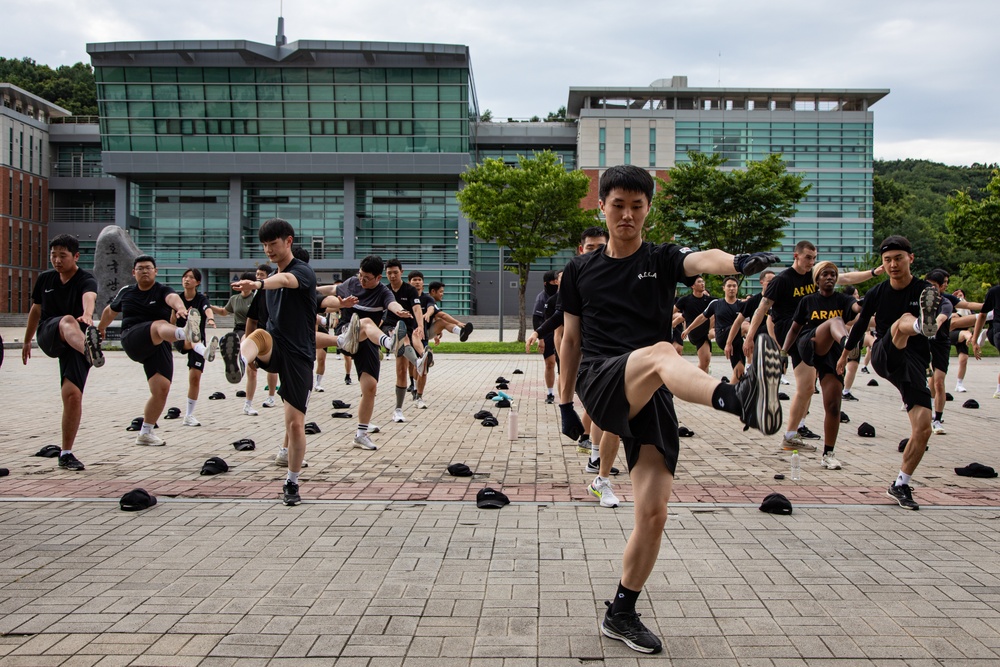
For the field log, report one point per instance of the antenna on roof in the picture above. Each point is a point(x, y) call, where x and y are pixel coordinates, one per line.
point(720, 70)
point(280, 39)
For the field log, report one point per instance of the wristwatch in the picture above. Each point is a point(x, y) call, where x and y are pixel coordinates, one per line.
point(261, 282)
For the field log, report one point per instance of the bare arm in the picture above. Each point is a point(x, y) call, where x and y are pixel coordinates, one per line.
point(755, 322)
point(34, 316)
point(976, 347)
point(570, 354)
point(89, 302)
point(793, 333)
point(418, 315)
point(219, 310)
point(107, 316)
point(174, 301)
point(855, 277)
point(695, 323)
point(713, 261)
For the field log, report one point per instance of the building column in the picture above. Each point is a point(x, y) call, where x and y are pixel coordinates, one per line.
point(121, 202)
point(350, 220)
point(235, 217)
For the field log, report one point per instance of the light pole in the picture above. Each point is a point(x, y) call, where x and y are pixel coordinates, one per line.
point(500, 283)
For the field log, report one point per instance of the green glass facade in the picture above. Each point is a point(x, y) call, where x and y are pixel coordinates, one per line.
point(414, 222)
point(180, 221)
point(284, 109)
point(510, 154)
point(316, 208)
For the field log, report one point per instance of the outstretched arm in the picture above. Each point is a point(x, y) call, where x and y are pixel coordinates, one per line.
point(855, 277)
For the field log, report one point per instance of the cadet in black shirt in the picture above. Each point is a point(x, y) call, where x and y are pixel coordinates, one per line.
point(618, 305)
point(62, 314)
point(146, 309)
point(406, 295)
point(818, 330)
point(542, 311)
point(196, 352)
point(691, 306)
point(742, 322)
point(419, 382)
point(725, 311)
point(906, 311)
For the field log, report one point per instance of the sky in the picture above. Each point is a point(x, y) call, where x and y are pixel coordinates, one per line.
point(938, 59)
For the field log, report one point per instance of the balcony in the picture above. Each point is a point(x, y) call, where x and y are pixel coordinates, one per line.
point(100, 214)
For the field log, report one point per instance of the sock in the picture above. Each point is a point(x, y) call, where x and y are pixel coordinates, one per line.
point(248, 403)
point(292, 477)
point(724, 398)
point(827, 449)
point(385, 341)
point(595, 450)
point(200, 349)
point(340, 340)
point(246, 363)
point(845, 392)
point(802, 424)
point(625, 600)
point(362, 430)
point(902, 479)
point(456, 330)
point(548, 391)
point(146, 429)
point(179, 334)
point(192, 402)
point(790, 434)
point(419, 396)
point(938, 416)
point(319, 380)
point(400, 395)
point(65, 452)
point(916, 326)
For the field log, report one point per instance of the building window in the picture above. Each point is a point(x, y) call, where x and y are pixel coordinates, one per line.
point(30, 236)
point(20, 163)
point(628, 145)
point(10, 292)
point(602, 147)
point(652, 147)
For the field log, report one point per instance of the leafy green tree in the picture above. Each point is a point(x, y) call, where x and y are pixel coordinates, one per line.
point(69, 86)
point(743, 210)
point(557, 116)
point(486, 116)
point(977, 223)
point(532, 210)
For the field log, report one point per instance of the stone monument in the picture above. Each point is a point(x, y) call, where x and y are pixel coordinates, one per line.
point(113, 259)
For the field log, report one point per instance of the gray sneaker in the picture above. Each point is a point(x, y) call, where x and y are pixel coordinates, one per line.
point(396, 340)
point(192, 330)
point(930, 303)
point(351, 334)
point(364, 442)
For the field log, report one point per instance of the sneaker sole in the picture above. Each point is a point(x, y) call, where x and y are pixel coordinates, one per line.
point(93, 346)
point(930, 301)
point(900, 502)
point(358, 445)
point(353, 332)
point(466, 332)
point(398, 338)
point(212, 349)
point(192, 329)
point(291, 502)
point(628, 642)
point(230, 348)
point(767, 366)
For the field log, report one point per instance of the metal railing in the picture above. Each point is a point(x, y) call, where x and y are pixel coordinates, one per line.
point(82, 214)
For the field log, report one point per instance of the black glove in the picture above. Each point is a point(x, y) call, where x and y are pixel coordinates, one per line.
point(572, 427)
point(755, 263)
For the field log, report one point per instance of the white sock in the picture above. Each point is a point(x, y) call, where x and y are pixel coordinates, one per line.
point(916, 326)
point(362, 430)
point(802, 424)
point(200, 349)
point(902, 479)
point(146, 429)
point(292, 477)
point(179, 333)
point(456, 330)
point(248, 403)
point(790, 434)
point(595, 454)
point(385, 341)
point(549, 391)
point(319, 380)
point(190, 408)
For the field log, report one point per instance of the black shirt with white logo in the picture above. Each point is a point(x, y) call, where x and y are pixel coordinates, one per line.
point(624, 303)
point(407, 296)
point(888, 304)
point(58, 298)
point(786, 290)
point(692, 306)
point(815, 309)
point(725, 314)
point(372, 303)
point(292, 312)
point(138, 306)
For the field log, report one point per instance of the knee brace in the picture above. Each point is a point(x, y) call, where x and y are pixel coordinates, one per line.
point(261, 339)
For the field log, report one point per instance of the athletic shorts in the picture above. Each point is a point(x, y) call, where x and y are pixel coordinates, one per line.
point(737, 357)
point(195, 360)
point(601, 387)
point(825, 364)
point(138, 345)
point(782, 332)
point(73, 366)
point(940, 354)
point(295, 378)
point(698, 341)
point(550, 345)
point(962, 348)
point(678, 335)
point(905, 370)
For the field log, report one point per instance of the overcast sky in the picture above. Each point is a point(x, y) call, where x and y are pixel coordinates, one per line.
point(939, 59)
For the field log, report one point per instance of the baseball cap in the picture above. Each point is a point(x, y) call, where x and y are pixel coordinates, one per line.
point(491, 499)
point(136, 500)
point(776, 503)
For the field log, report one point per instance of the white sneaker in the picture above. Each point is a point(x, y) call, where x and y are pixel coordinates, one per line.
point(149, 440)
point(784, 380)
point(249, 411)
point(601, 488)
point(937, 428)
point(397, 416)
point(191, 420)
point(830, 462)
point(996, 394)
point(364, 442)
point(421, 405)
point(319, 389)
point(960, 388)
point(192, 329)
point(372, 428)
point(268, 402)
point(281, 459)
point(422, 364)
point(213, 347)
point(351, 335)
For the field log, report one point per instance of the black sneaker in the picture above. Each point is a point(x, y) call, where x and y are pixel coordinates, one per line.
point(903, 494)
point(595, 467)
point(848, 396)
point(807, 434)
point(550, 399)
point(229, 347)
point(465, 332)
point(290, 494)
point(758, 388)
point(92, 348)
point(930, 303)
point(70, 462)
point(347, 379)
point(864, 369)
point(412, 388)
point(626, 627)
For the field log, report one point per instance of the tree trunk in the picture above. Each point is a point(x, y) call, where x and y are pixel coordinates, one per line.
point(522, 285)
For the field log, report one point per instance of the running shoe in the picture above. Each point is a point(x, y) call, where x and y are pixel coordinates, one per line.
point(864, 369)
point(807, 434)
point(396, 339)
point(281, 459)
point(192, 329)
point(930, 303)
point(290, 494)
point(903, 494)
point(213, 347)
point(855, 354)
point(466, 332)
point(601, 489)
point(268, 402)
point(996, 394)
point(758, 388)
point(796, 442)
point(230, 348)
point(347, 378)
point(397, 416)
point(249, 411)
point(937, 428)
point(318, 389)
point(550, 399)
point(149, 440)
point(848, 396)
point(626, 627)
point(92, 347)
point(583, 446)
point(421, 368)
point(351, 336)
point(364, 442)
point(960, 388)
point(595, 467)
point(421, 405)
point(830, 462)
point(69, 462)
point(191, 420)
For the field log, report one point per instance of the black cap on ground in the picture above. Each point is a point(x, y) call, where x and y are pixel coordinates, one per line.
point(866, 430)
point(217, 396)
point(459, 470)
point(976, 470)
point(948, 397)
point(244, 445)
point(782, 396)
point(4, 472)
point(491, 499)
point(776, 503)
point(214, 466)
point(844, 418)
point(48, 451)
point(136, 500)
point(504, 403)
point(491, 421)
point(172, 413)
point(241, 394)
point(873, 382)
point(972, 404)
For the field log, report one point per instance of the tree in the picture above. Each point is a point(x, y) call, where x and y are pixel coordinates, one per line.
point(977, 223)
point(486, 116)
point(532, 210)
point(738, 211)
point(69, 86)
point(558, 116)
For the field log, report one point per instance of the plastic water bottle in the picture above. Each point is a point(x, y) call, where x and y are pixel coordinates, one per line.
point(796, 466)
point(512, 425)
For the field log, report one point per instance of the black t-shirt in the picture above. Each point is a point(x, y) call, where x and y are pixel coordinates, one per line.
point(725, 314)
point(992, 303)
point(624, 304)
point(407, 297)
point(200, 302)
point(692, 306)
point(426, 301)
point(749, 307)
point(815, 309)
point(258, 309)
point(57, 298)
point(292, 311)
point(786, 290)
point(372, 303)
point(888, 305)
point(137, 306)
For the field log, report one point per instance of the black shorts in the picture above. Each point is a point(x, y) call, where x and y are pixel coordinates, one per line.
point(737, 357)
point(698, 341)
point(940, 354)
point(782, 332)
point(962, 348)
point(678, 336)
point(73, 366)
point(550, 345)
point(295, 378)
point(138, 345)
point(601, 387)
point(825, 364)
point(195, 360)
point(904, 370)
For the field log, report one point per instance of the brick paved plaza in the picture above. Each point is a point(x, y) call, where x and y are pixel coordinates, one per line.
point(389, 562)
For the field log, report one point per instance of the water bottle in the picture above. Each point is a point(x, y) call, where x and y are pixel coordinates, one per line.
point(796, 466)
point(512, 425)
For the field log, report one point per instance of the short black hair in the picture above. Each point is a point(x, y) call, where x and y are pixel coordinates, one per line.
point(373, 264)
point(248, 275)
point(727, 279)
point(143, 258)
point(435, 286)
point(275, 229)
point(194, 272)
point(765, 272)
point(549, 276)
point(415, 274)
point(67, 241)
point(593, 233)
point(394, 263)
point(895, 242)
point(264, 267)
point(300, 253)
point(939, 276)
point(849, 290)
point(627, 177)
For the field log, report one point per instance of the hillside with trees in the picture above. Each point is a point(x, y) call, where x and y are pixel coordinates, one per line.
point(70, 86)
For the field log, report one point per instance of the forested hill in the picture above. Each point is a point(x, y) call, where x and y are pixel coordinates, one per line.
point(70, 86)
